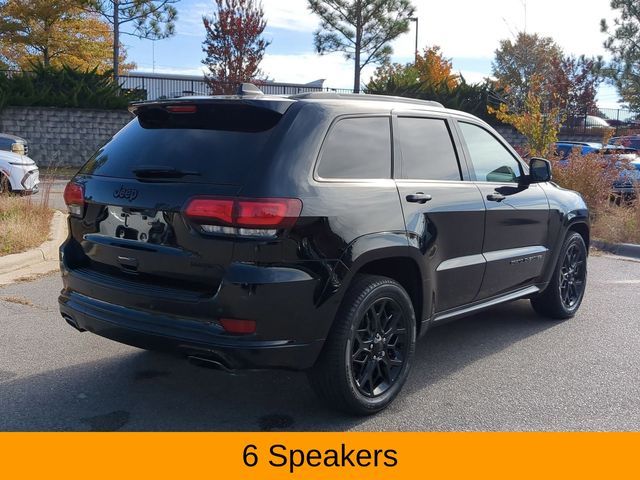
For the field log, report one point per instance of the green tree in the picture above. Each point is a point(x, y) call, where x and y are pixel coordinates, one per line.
point(623, 41)
point(361, 29)
point(517, 62)
point(149, 19)
point(65, 87)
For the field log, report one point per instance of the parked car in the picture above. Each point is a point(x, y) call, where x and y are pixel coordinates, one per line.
point(13, 143)
point(618, 153)
point(588, 123)
point(625, 159)
point(564, 148)
point(18, 173)
point(627, 185)
point(261, 231)
point(629, 141)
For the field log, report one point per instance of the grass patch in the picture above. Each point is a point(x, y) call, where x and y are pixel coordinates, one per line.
point(58, 172)
point(17, 300)
point(618, 224)
point(24, 224)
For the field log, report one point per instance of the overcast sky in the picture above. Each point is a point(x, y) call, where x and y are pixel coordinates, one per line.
point(467, 30)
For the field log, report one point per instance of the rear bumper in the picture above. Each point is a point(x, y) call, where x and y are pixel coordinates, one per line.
point(190, 338)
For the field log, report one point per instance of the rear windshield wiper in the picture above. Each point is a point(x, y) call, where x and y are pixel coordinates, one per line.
point(163, 172)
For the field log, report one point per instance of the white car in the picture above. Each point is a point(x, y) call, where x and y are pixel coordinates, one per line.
point(18, 173)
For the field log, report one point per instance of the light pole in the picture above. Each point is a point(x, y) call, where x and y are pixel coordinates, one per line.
point(415, 19)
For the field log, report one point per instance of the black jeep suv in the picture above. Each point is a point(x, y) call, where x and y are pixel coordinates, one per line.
point(316, 232)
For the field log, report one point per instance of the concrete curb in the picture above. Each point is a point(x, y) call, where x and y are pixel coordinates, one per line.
point(622, 249)
point(45, 252)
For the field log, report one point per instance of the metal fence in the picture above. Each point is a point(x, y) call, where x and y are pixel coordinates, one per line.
point(601, 122)
point(153, 87)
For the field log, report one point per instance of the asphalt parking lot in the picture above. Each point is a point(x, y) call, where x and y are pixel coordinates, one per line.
point(504, 369)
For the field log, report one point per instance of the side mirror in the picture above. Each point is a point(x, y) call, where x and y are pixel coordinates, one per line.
point(539, 170)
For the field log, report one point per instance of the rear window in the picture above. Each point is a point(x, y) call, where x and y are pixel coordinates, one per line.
point(219, 144)
point(357, 148)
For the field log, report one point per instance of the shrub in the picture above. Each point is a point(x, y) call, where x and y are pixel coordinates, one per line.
point(63, 87)
point(590, 175)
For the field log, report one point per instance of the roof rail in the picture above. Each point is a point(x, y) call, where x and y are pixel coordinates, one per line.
point(364, 97)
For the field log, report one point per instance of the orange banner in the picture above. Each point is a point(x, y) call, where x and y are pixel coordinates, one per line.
point(312, 456)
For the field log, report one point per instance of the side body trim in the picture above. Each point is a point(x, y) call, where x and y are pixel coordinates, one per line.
point(486, 304)
point(487, 257)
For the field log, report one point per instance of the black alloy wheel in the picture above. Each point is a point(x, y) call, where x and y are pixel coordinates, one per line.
point(367, 356)
point(563, 296)
point(572, 276)
point(379, 347)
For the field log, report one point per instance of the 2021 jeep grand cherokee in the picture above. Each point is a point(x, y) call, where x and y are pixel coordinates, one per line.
point(316, 232)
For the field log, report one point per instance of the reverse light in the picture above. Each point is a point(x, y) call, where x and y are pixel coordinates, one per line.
point(74, 199)
point(250, 217)
point(239, 327)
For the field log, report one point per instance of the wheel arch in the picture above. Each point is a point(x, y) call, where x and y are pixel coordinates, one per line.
point(583, 229)
point(386, 254)
point(405, 271)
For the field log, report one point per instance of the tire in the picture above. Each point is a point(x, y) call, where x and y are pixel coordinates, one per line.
point(364, 364)
point(5, 187)
point(563, 296)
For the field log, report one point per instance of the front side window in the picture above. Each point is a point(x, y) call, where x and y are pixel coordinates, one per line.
point(427, 149)
point(491, 161)
point(357, 148)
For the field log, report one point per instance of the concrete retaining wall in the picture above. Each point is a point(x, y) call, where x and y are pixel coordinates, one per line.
point(62, 136)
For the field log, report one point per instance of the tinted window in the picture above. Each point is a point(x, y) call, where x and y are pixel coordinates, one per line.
point(357, 148)
point(492, 162)
point(215, 144)
point(427, 149)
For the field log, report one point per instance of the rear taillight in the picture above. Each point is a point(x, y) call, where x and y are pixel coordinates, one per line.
point(74, 199)
point(252, 217)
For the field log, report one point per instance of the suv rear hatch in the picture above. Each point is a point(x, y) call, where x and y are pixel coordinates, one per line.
point(156, 210)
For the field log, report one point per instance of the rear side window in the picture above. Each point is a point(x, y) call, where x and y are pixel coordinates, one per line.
point(357, 148)
point(220, 144)
point(427, 149)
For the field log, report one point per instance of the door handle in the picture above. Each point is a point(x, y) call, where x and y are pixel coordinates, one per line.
point(419, 197)
point(495, 197)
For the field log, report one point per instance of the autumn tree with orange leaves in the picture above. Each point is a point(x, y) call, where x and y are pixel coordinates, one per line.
point(54, 33)
point(234, 45)
point(431, 70)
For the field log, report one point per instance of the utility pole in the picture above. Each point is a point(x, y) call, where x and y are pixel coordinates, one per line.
point(116, 41)
point(415, 19)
